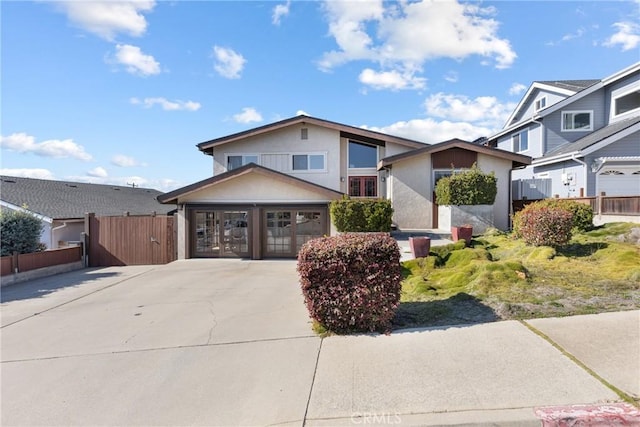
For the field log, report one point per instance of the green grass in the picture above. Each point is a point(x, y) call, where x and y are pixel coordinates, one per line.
point(596, 272)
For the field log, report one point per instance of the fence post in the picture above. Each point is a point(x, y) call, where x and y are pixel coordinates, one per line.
point(599, 202)
point(87, 237)
point(15, 267)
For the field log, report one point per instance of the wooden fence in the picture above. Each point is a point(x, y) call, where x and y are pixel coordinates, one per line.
point(27, 262)
point(130, 240)
point(601, 205)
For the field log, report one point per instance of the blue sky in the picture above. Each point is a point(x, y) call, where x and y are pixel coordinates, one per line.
point(121, 92)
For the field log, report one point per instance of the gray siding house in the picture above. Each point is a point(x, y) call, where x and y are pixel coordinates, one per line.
point(583, 136)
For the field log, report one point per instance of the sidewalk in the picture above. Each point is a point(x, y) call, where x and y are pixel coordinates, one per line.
point(438, 238)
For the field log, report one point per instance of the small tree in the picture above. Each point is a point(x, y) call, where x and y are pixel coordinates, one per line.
point(471, 187)
point(19, 232)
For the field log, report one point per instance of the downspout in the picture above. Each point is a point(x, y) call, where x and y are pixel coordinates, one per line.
point(543, 140)
point(53, 241)
point(584, 165)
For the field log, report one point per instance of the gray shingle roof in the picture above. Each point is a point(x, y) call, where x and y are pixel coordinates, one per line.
point(66, 200)
point(574, 85)
point(593, 137)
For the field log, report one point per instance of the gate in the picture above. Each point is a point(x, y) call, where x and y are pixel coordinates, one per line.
point(130, 240)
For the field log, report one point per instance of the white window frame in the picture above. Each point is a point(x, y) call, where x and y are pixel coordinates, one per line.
point(244, 161)
point(573, 113)
point(519, 135)
point(537, 105)
point(630, 90)
point(314, 153)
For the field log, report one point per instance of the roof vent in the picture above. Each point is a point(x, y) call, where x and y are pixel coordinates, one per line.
point(10, 181)
point(71, 185)
point(115, 188)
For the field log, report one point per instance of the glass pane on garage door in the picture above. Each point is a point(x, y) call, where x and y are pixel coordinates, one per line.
point(207, 238)
point(278, 233)
point(236, 233)
point(309, 225)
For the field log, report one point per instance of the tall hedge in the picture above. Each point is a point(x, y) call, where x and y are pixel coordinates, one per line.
point(361, 215)
point(19, 232)
point(471, 187)
point(351, 282)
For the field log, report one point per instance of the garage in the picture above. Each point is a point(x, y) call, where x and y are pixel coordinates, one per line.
point(619, 181)
point(250, 212)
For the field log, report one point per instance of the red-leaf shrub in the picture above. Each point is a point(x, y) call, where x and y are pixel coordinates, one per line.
point(351, 282)
point(541, 225)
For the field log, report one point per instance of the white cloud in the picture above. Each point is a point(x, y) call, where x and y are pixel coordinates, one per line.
point(23, 143)
point(98, 172)
point(28, 173)
point(402, 36)
point(517, 89)
point(451, 77)
point(302, 113)
point(248, 115)
point(123, 161)
point(162, 184)
point(280, 11)
point(627, 36)
point(393, 80)
point(228, 64)
point(108, 18)
point(167, 105)
point(485, 111)
point(134, 60)
point(431, 131)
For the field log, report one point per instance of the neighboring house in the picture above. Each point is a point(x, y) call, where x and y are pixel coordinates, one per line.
point(62, 205)
point(583, 135)
point(272, 185)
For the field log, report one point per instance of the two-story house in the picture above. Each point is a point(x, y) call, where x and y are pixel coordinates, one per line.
point(272, 185)
point(583, 136)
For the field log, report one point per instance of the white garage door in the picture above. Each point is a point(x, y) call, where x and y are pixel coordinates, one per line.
point(619, 182)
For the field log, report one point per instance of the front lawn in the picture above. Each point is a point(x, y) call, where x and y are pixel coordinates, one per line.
point(499, 277)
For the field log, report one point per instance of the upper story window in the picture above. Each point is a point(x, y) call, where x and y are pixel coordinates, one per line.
point(308, 162)
point(238, 160)
point(541, 103)
point(520, 141)
point(575, 121)
point(362, 155)
point(626, 103)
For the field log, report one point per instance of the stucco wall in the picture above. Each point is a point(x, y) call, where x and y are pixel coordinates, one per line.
point(410, 184)
point(288, 141)
point(501, 168)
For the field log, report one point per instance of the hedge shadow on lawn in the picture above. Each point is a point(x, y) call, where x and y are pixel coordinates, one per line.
point(579, 250)
point(460, 309)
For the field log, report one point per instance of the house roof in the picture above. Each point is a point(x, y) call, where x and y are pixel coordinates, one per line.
point(71, 200)
point(345, 130)
point(517, 159)
point(571, 85)
point(251, 168)
point(573, 97)
point(594, 137)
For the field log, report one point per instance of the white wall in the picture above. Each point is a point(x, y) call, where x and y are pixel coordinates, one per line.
point(410, 187)
point(501, 168)
point(288, 141)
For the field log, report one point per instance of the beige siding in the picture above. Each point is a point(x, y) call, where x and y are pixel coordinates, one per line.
point(280, 143)
point(410, 184)
point(501, 168)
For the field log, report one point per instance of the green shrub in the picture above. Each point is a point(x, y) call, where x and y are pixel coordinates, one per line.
point(361, 215)
point(471, 187)
point(351, 282)
point(582, 213)
point(19, 232)
point(541, 225)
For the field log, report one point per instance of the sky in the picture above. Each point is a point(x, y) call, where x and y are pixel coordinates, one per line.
point(120, 92)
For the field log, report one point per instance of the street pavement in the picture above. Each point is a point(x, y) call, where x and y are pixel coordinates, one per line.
point(229, 342)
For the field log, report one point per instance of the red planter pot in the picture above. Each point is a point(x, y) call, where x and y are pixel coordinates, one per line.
point(460, 233)
point(420, 246)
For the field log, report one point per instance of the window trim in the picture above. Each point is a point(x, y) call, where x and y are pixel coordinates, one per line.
point(633, 88)
point(311, 153)
point(573, 113)
point(541, 100)
point(519, 135)
point(362, 185)
point(243, 155)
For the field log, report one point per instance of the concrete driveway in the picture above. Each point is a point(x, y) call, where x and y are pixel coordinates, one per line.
point(228, 342)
